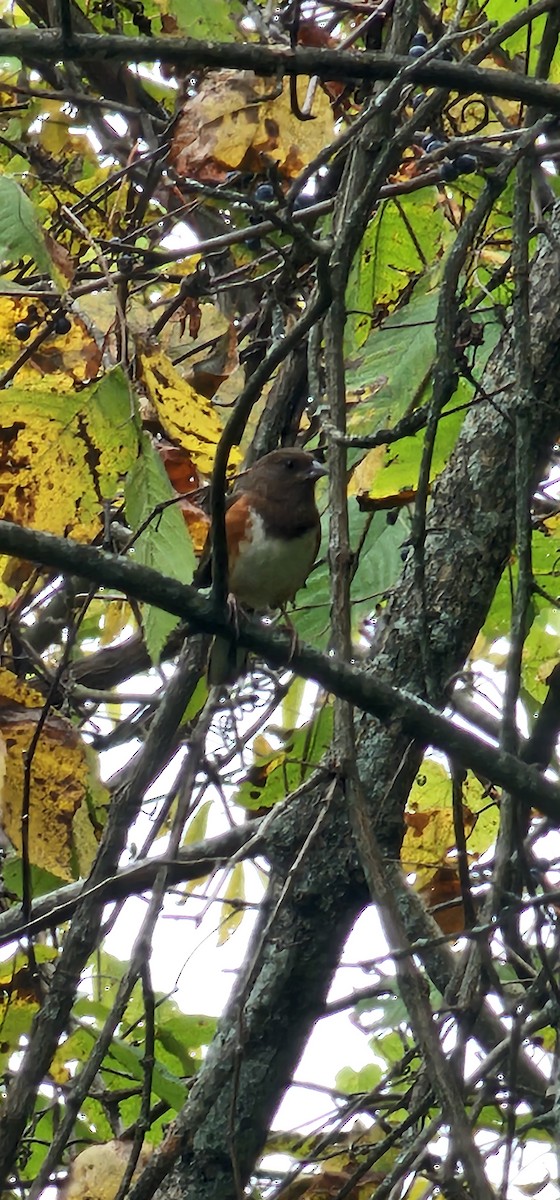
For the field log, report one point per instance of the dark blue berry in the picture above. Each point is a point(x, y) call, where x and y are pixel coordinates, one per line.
point(448, 171)
point(420, 39)
point(303, 201)
point(416, 51)
point(253, 243)
point(125, 264)
point(466, 164)
point(434, 145)
point(264, 193)
point(446, 55)
point(417, 100)
point(22, 331)
point(62, 324)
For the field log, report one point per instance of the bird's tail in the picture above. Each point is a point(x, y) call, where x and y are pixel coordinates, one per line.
point(226, 662)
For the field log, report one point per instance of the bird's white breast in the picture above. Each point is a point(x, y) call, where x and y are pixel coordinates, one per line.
point(268, 571)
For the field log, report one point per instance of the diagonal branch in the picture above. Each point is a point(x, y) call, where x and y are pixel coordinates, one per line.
point(191, 863)
point(364, 689)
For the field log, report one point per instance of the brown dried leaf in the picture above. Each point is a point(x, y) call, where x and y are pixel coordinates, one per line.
point(232, 124)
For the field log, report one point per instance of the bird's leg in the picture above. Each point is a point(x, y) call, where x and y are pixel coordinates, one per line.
point(233, 609)
point(294, 639)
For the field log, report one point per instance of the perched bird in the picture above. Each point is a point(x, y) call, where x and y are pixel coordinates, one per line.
point(273, 534)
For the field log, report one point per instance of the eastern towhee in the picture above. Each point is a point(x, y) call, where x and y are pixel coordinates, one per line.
point(273, 534)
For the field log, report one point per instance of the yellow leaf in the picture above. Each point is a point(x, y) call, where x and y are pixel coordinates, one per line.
point(117, 617)
point(14, 690)
point(429, 841)
point(97, 1172)
point(20, 994)
point(232, 917)
point(265, 759)
point(62, 839)
point(59, 363)
point(66, 454)
point(55, 133)
point(187, 417)
point(426, 843)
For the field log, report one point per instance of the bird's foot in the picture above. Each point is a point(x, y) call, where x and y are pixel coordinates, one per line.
point(290, 628)
point(233, 611)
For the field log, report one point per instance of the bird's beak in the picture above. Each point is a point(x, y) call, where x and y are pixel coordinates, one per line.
point(316, 470)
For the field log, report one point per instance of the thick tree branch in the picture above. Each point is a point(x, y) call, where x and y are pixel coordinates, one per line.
point(340, 65)
point(365, 690)
point(191, 863)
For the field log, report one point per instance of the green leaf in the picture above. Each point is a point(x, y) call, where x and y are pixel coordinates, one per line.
point(196, 702)
point(389, 374)
point(164, 544)
point(42, 882)
point(165, 1085)
point(190, 1031)
point(540, 651)
point(400, 241)
point(18, 1000)
point(95, 1127)
point(215, 19)
point(491, 1118)
point(276, 772)
point(196, 829)
point(350, 1081)
point(291, 704)
point(43, 1132)
point(396, 468)
point(378, 567)
point(390, 1047)
point(20, 231)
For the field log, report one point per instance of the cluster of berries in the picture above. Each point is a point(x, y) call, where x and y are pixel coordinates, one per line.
point(462, 164)
point(23, 329)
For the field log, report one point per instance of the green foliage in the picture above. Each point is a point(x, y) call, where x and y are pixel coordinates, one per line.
point(387, 376)
point(401, 243)
point(377, 566)
point(20, 231)
point(279, 769)
point(364, 1080)
point(163, 542)
point(216, 20)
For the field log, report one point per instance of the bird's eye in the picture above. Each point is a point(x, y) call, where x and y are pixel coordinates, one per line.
point(290, 464)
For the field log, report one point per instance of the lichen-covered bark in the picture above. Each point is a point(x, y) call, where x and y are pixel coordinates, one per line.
point(295, 949)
